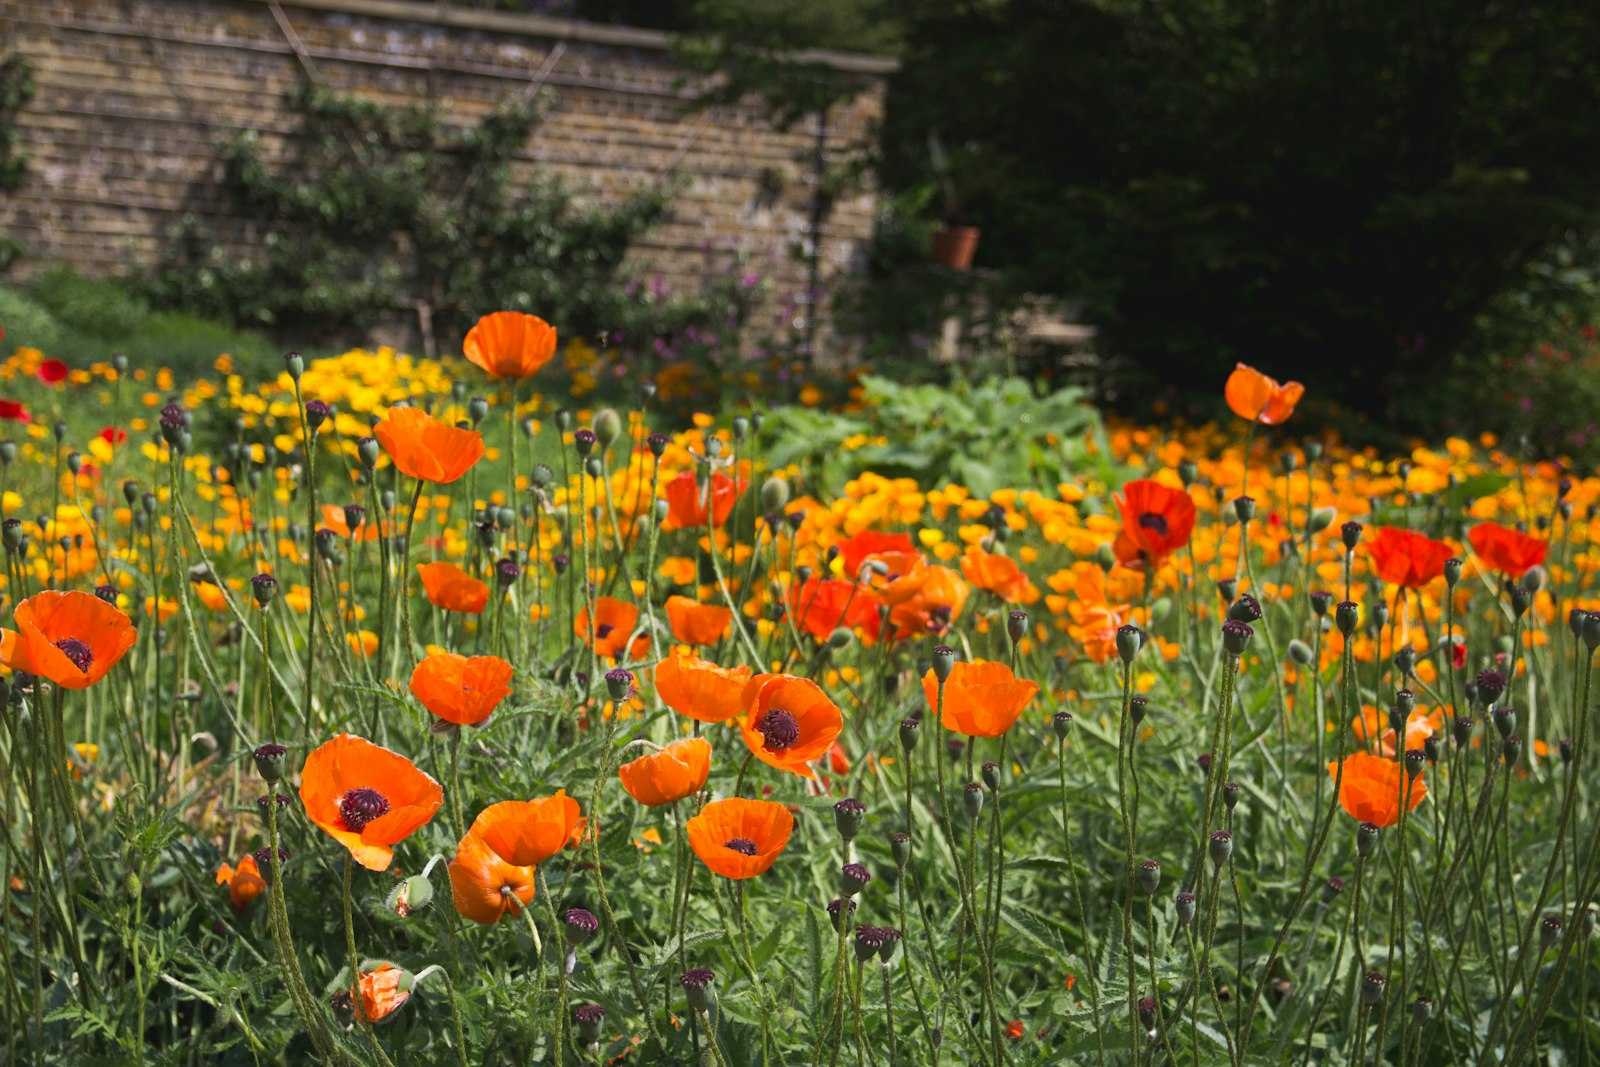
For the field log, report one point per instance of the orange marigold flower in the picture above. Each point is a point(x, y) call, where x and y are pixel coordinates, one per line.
point(449, 588)
point(695, 623)
point(366, 798)
point(1407, 558)
point(1372, 788)
point(822, 605)
point(71, 638)
point(981, 698)
point(1156, 521)
point(525, 833)
point(789, 722)
point(999, 575)
point(423, 447)
point(614, 623)
point(1254, 396)
point(699, 689)
point(931, 609)
point(244, 882)
point(740, 838)
point(1506, 550)
point(667, 776)
point(486, 888)
point(461, 689)
point(686, 500)
point(510, 344)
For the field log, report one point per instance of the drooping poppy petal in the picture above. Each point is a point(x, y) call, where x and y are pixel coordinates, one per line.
point(244, 882)
point(740, 838)
point(464, 690)
point(510, 344)
point(449, 588)
point(366, 797)
point(525, 833)
point(694, 623)
point(699, 689)
point(665, 777)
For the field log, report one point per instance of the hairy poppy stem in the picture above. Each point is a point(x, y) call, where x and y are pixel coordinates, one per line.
point(1077, 896)
point(358, 1005)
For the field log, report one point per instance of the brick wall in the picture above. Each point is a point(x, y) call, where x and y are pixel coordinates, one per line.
point(134, 96)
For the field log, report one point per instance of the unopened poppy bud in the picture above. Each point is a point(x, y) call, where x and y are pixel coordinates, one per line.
point(656, 443)
point(1511, 750)
point(1138, 704)
point(774, 494)
point(294, 364)
point(944, 661)
point(1521, 597)
point(11, 533)
point(840, 637)
point(700, 987)
point(594, 467)
point(1220, 847)
point(1452, 572)
point(477, 409)
point(619, 683)
point(1321, 518)
point(972, 799)
point(1504, 719)
point(1372, 986)
point(409, 895)
point(1321, 601)
point(1421, 1011)
point(900, 847)
point(1104, 558)
point(1567, 747)
point(1378, 616)
point(853, 878)
point(1149, 877)
point(1230, 794)
point(607, 426)
point(1188, 472)
point(1350, 534)
point(847, 816)
point(908, 733)
point(1405, 661)
point(1017, 626)
point(1300, 652)
point(1431, 748)
point(317, 412)
point(587, 1018)
point(1346, 616)
point(327, 542)
point(1366, 839)
point(840, 910)
point(1236, 636)
point(1331, 889)
point(580, 926)
point(1245, 508)
point(1228, 590)
point(1061, 723)
point(74, 462)
point(1147, 1013)
point(1184, 905)
point(563, 419)
point(713, 447)
point(270, 759)
point(1129, 639)
point(1245, 609)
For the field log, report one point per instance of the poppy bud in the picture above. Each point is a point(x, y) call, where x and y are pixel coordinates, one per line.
point(840, 637)
point(900, 846)
point(1230, 794)
point(563, 419)
point(1431, 748)
point(1414, 761)
point(409, 894)
point(1184, 905)
point(1221, 847)
point(1461, 730)
point(1138, 704)
point(1452, 572)
point(1321, 518)
point(972, 799)
point(1567, 747)
point(294, 364)
point(1188, 472)
point(1236, 636)
point(1300, 652)
point(1520, 597)
point(588, 1018)
point(908, 733)
point(1397, 719)
point(594, 467)
point(700, 987)
point(1346, 616)
point(263, 587)
point(1549, 931)
point(1331, 889)
point(506, 573)
point(11, 533)
point(1511, 750)
point(267, 863)
point(1129, 638)
point(713, 447)
point(327, 542)
point(580, 926)
point(8, 453)
point(1061, 723)
point(1228, 589)
point(1405, 661)
point(774, 494)
point(840, 910)
point(1421, 1011)
point(1017, 626)
point(944, 661)
point(607, 426)
point(1149, 877)
point(619, 683)
point(656, 443)
point(1245, 508)
point(172, 431)
point(270, 759)
point(853, 878)
point(1245, 609)
point(1104, 558)
point(990, 772)
point(1350, 534)
point(1504, 719)
point(1321, 601)
point(1372, 987)
point(317, 412)
point(1366, 839)
point(847, 816)
point(1378, 616)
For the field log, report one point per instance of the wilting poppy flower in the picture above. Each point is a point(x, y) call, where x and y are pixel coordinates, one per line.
point(740, 838)
point(486, 888)
point(1156, 521)
point(930, 611)
point(52, 372)
point(510, 344)
point(981, 698)
point(1406, 558)
point(614, 623)
point(244, 882)
point(822, 605)
point(1254, 396)
point(999, 575)
point(449, 588)
point(461, 689)
point(695, 623)
point(525, 833)
point(1506, 550)
point(366, 798)
point(666, 777)
point(789, 722)
point(858, 549)
point(423, 447)
point(686, 504)
point(383, 990)
point(71, 638)
point(14, 411)
point(699, 689)
point(895, 577)
point(1373, 787)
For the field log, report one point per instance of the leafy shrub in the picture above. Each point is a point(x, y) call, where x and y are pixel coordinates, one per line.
point(98, 308)
point(27, 322)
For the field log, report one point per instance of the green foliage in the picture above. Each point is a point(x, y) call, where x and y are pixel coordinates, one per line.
point(97, 308)
point(28, 322)
point(16, 89)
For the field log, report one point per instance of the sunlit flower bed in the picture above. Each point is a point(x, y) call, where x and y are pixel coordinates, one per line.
point(385, 711)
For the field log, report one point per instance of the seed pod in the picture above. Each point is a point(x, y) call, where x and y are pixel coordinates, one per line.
point(944, 661)
point(1184, 906)
point(1372, 986)
point(1366, 839)
point(1346, 616)
point(847, 816)
point(972, 799)
point(1236, 637)
point(1061, 723)
point(1220, 847)
point(853, 878)
point(1149, 877)
point(900, 847)
point(1128, 640)
point(908, 733)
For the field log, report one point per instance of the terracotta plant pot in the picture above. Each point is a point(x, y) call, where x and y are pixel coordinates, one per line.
point(953, 246)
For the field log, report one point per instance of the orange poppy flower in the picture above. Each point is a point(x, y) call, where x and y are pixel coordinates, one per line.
point(1510, 551)
point(858, 549)
point(740, 838)
point(384, 991)
point(366, 798)
point(244, 882)
point(699, 689)
point(1372, 788)
point(789, 722)
point(449, 588)
point(981, 698)
point(901, 576)
point(666, 777)
point(1156, 521)
point(486, 888)
point(615, 621)
point(686, 504)
point(1406, 558)
point(525, 833)
point(930, 611)
point(423, 447)
point(999, 575)
point(822, 605)
point(695, 623)
point(1254, 396)
point(71, 638)
point(461, 689)
point(510, 344)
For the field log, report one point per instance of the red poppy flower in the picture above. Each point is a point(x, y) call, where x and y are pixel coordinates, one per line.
point(485, 887)
point(366, 797)
point(52, 372)
point(244, 882)
point(113, 436)
point(686, 500)
point(14, 411)
point(1156, 521)
point(668, 775)
point(894, 577)
point(699, 689)
point(1506, 550)
point(695, 623)
point(1254, 396)
point(789, 722)
point(1406, 558)
point(463, 690)
point(449, 588)
point(740, 838)
point(930, 611)
point(822, 605)
point(425, 448)
point(981, 698)
point(525, 833)
point(1372, 788)
point(71, 638)
point(614, 623)
point(854, 552)
point(510, 344)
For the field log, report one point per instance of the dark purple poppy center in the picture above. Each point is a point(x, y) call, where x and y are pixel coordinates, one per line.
point(780, 730)
point(742, 845)
point(77, 652)
point(1151, 521)
point(603, 631)
point(360, 806)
